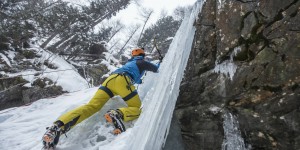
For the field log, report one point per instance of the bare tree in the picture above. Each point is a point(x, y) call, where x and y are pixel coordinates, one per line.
point(117, 27)
point(146, 14)
point(179, 12)
point(132, 31)
point(115, 43)
point(83, 23)
point(137, 2)
point(65, 42)
point(56, 33)
point(163, 13)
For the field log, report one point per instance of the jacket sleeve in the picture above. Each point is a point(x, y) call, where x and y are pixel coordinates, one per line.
point(147, 66)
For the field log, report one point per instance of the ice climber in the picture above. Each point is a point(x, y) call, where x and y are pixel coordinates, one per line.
point(120, 82)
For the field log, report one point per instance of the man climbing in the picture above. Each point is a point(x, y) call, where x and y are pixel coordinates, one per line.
point(120, 82)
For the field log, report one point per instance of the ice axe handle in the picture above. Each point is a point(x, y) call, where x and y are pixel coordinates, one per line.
point(159, 53)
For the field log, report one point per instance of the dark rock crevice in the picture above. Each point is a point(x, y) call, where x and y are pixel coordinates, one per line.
point(247, 1)
point(279, 15)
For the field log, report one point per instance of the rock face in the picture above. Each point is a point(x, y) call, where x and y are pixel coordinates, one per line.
point(174, 139)
point(94, 72)
point(14, 93)
point(245, 60)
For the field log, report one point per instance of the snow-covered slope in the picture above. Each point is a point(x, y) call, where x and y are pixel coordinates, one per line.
point(65, 75)
point(22, 128)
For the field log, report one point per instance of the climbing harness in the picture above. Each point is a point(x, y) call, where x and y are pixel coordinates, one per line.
point(109, 92)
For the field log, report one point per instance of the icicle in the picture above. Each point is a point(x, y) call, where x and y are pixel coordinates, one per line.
point(228, 67)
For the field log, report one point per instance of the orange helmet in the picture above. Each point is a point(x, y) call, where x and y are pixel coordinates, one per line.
point(138, 52)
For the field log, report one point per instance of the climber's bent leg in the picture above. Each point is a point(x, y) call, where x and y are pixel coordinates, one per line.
point(77, 115)
point(133, 110)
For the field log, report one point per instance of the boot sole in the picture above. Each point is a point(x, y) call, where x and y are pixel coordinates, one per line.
point(108, 118)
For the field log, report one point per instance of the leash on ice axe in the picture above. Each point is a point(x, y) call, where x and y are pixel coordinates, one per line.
point(159, 53)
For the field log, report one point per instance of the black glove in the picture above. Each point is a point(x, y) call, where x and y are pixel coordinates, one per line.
point(160, 59)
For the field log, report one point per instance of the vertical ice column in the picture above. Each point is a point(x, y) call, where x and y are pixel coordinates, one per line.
point(160, 91)
point(232, 134)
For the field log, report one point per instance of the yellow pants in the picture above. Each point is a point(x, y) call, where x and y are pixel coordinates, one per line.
point(117, 85)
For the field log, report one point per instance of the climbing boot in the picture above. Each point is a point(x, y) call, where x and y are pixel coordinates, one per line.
point(115, 117)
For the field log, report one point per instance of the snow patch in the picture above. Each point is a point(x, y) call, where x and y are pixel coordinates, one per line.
point(215, 109)
point(10, 54)
point(5, 59)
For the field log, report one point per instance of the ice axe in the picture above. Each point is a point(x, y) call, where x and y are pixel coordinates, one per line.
point(159, 53)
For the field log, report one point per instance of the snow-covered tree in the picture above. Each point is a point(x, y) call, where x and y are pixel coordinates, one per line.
point(91, 16)
point(58, 25)
point(162, 31)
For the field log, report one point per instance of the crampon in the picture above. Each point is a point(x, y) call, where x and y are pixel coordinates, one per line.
point(115, 118)
point(51, 137)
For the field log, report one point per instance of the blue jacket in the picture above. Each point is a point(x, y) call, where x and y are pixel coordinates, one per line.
point(136, 67)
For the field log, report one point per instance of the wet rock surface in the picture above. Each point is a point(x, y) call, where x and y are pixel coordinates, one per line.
point(94, 72)
point(245, 59)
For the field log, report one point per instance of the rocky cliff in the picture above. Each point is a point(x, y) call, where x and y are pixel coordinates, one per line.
point(15, 90)
point(245, 60)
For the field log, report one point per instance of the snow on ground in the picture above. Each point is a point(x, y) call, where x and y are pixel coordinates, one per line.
point(21, 128)
point(65, 75)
